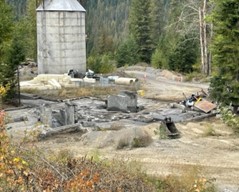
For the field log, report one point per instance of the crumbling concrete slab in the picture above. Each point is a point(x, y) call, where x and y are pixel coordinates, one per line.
point(46, 115)
point(126, 101)
point(131, 101)
point(70, 113)
point(117, 103)
point(60, 130)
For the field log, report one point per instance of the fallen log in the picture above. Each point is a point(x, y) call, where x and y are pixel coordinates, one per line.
point(200, 117)
point(60, 130)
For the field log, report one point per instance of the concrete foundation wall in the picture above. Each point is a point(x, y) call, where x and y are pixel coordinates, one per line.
point(131, 101)
point(61, 42)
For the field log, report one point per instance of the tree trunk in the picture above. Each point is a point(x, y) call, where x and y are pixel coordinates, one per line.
point(201, 40)
point(206, 68)
point(205, 54)
point(210, 53)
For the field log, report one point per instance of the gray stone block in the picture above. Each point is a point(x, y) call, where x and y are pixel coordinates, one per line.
point(117, 103)
point(131, 100)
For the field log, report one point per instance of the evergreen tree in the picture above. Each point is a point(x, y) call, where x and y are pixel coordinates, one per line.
point(31, 32)
point(159, 59)
point(15, 56)
point(170, 33)
point(225, 49)
point(11, 52)
point(6, 28)
point(184, 55)
point(110, 16)
point(157, 19)
point(140, 28)
point(105, 43)
point(127, 53)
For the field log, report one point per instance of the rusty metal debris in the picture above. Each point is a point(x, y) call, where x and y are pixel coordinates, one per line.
point(199, 101)
point(170, 128)
point(205, 106)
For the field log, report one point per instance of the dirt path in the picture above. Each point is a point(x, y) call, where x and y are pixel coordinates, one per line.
point(162, 88)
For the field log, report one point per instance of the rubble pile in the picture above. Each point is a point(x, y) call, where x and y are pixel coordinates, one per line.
point(199, 102)
point(73, 79)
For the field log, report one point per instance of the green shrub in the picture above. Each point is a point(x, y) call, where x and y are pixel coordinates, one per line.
point(191, 180)
point(100, 63)
point(184, 55)
point(230, 118)
point(158, 60)
point(209, 131)
point(127, 53)
point(161, 131)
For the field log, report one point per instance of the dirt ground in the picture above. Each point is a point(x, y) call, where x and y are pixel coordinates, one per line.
point(208, 144)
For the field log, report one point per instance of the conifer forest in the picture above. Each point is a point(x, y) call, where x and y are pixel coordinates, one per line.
point(187, 36)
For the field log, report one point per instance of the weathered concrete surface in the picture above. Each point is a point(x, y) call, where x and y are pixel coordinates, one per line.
point(126, 101)
point(46, 115)
point(60, 130)
point(70, 113)
point(117, 103)
point(131, 101)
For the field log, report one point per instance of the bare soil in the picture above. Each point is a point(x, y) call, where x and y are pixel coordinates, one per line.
point(209, 144)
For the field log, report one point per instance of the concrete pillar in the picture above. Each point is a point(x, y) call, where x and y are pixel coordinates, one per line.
point(70, 113)
point(46, 115)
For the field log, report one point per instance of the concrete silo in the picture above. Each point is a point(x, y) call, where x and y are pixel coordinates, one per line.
point(61, 37)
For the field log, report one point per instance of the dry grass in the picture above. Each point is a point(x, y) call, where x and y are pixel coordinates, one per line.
point(209, 131)
point(141, 140)
point(123, 143)
point(34, 170)
point(191, 180)
point(90, 91)
point(70, 93)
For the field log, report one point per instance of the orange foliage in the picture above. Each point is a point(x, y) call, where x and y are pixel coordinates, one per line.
point(85, 181)
point(13, 169)
point(38, 174)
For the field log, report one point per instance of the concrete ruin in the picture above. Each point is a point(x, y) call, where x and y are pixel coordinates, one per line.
point(51, 117)
point(92, 114)
point(126, 102)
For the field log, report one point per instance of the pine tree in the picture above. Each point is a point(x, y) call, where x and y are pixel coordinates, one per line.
point(157, 19)
point(15, 56)
point(184, 56)
point(6, 28)
point(225, 49)
point(11, 52)
point(127, 53)
point(31, 33)
point(140, 28)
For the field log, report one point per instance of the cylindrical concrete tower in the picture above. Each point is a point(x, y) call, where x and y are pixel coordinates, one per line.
point(61, 37)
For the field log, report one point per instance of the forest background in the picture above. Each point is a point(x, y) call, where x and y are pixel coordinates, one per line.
point(187, 36)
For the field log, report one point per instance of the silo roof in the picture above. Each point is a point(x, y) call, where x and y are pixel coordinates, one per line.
point(60, 5)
